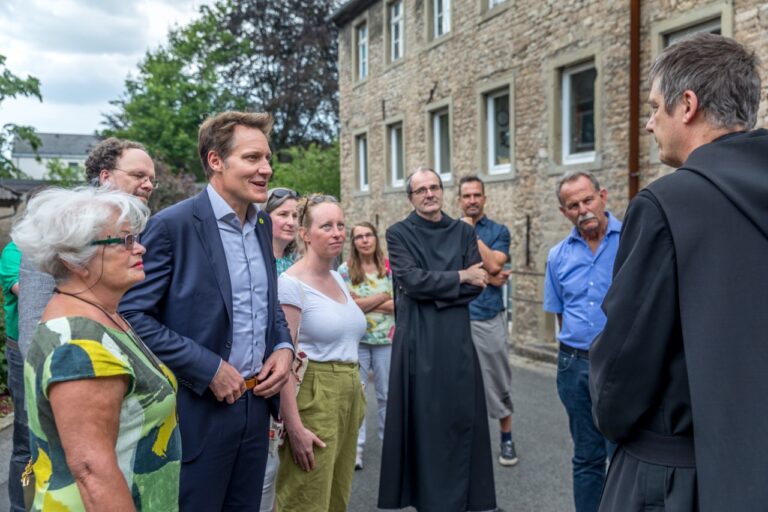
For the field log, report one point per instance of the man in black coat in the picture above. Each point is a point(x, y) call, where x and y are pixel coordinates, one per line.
point(437, 448)
point(679, 376)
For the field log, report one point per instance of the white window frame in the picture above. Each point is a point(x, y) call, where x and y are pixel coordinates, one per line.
point(441, 19)
point(361, 161)
point(395, 146)
point(674, 36)
point(494, 3)
point(396, 24)
point(490, 130)
point(437, 138)
point(569, 158)
point(361, 39)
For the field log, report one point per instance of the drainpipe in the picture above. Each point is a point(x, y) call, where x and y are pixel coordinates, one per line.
point(633, 163)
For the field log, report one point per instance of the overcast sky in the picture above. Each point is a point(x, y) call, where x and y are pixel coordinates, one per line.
point(82, 51)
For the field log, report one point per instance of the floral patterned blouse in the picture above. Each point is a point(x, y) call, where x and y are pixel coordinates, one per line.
point(379, 325)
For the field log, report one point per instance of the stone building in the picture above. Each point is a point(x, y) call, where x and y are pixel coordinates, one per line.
point(517, 92)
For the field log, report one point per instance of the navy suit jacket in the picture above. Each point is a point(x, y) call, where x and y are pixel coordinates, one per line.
point(183, 308)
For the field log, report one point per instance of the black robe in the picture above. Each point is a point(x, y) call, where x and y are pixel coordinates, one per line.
point(436, 454)
point(679, 376)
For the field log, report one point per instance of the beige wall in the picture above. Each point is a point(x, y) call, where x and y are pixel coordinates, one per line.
point(524, 43)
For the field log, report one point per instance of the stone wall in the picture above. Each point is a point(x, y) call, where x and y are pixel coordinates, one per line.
point(524, 43)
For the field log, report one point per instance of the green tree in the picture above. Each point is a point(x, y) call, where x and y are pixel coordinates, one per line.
point(312, 169)
point(175, 90)
point(11, 86)
point(64, 175)
point(255, 55)
point(172, 187)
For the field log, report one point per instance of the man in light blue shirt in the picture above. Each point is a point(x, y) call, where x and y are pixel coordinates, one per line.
point(208, 308)
point(578, 276)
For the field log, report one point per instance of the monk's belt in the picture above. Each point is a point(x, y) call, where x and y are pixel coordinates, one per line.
point(662, 450)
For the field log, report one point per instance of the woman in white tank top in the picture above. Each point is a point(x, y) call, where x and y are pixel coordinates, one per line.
point(317, 461)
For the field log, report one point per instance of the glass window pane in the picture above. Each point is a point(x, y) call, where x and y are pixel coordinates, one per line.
point(362, 51)
point(399, 155)
point(362, 161)
point(582, 111)
point(500, 134)
point(711, 26)
point(445, 145)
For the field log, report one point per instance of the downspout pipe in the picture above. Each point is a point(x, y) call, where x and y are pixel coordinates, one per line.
point(633, 163)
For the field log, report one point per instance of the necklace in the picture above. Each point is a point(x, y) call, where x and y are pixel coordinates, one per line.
point(128, 332)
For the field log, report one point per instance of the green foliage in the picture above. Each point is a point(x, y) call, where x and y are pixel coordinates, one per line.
point(278, 57)
point(12, 86)
point(312, 169)
point(175, 90)
point(171, 188)
point(64, 175)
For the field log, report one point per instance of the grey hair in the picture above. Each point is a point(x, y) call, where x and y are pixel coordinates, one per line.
point(408, 180)
point(573, 176)
point(721, 72)
point(59, 225)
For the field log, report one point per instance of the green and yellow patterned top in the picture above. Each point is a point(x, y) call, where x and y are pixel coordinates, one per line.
point(148, 447)
point(379, 324)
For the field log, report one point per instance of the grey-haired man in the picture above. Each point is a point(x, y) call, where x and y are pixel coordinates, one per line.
point(678, 376)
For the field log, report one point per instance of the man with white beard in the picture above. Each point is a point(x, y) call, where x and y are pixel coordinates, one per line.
point(578, 275)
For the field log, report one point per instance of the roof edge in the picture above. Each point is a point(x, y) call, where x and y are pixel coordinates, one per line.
point(349, 11)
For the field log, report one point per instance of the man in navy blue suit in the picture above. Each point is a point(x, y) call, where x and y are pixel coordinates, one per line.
point(208, 308)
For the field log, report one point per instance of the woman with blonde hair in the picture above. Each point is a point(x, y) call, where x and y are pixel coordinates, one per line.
point(368, 277)
point(317, 461)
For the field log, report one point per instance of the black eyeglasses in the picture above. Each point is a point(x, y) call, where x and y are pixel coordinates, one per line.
point(281, 192)
point(127, 241)
point(315, 199)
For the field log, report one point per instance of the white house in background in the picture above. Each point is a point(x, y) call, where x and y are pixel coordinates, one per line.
point(71, 149)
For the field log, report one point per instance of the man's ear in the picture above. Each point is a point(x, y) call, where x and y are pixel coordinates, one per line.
point(215, 162)
point(104, 176)
point(690, 103)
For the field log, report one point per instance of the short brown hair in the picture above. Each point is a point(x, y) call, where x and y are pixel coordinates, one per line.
point(215, 133)
point(104, 155)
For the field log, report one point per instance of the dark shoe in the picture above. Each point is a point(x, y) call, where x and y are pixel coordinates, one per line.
point(508, 456)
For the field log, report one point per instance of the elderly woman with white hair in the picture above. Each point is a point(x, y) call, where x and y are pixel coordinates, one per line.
point(102, 407)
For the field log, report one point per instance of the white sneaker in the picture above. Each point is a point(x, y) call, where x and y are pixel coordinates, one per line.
point(359, 461)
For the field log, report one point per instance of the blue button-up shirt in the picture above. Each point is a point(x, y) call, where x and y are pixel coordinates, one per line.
point(576, 282)
point(496, 236)
point(249, 280)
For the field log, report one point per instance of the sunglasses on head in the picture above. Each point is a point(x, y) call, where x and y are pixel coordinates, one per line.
point(281, 192)
point(315, 199)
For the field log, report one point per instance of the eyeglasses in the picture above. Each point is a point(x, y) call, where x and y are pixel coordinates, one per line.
point(363, 236)
point(127, 241)
point(315, 199)
point(140, 177)
point(281, 192)
point(423, 190)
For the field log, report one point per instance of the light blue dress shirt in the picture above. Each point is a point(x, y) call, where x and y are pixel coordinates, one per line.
point(576, 282)
point(249, 280)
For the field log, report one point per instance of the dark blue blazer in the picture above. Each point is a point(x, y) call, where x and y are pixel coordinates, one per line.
point(183, 309)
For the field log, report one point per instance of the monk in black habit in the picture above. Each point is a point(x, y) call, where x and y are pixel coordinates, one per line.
point(679, 376)
point(437, 449)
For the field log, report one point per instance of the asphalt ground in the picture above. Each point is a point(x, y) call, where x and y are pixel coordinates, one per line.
point(540, 482)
